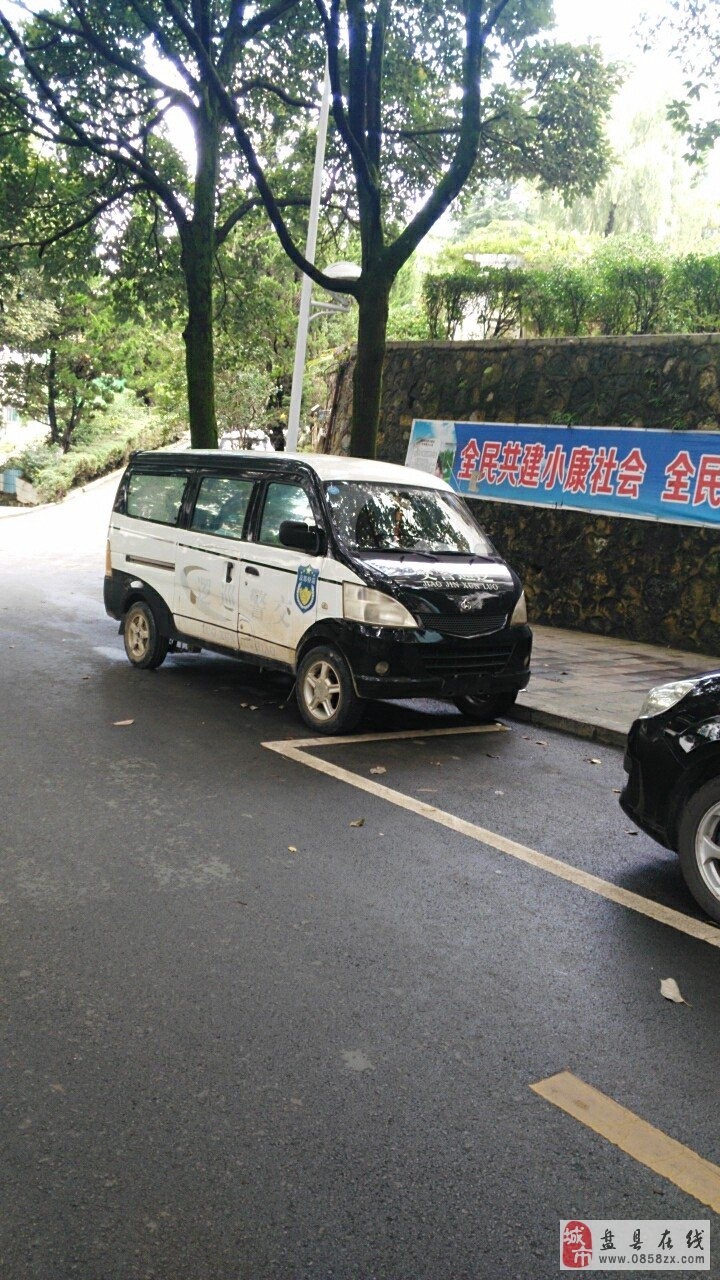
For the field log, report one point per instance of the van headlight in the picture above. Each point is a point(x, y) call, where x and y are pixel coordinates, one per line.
point(663, 697)
point(362, 604)
point(519, 613)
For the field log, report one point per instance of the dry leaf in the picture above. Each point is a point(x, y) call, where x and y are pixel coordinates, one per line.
point(631, 833)
point(617, 791)
point(671, 991)
point(359, 822)
point(120, 723)
point(499, 793)
point(291, 848)
point(490, 756)
point(540, 743)
point(379, 768)
point(592, 760)
point(428, 790)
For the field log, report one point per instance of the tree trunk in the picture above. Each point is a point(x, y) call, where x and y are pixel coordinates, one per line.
point(367, 377)
point(197, 263)
point(73, 421)
point(198, 251)
point(52, 396)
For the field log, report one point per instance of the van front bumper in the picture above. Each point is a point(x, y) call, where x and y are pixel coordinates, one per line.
point(426, 664)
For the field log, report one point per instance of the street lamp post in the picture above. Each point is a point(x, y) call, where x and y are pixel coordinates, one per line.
point(306, 291)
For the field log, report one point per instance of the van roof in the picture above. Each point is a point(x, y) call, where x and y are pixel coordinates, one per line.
point(326, 466)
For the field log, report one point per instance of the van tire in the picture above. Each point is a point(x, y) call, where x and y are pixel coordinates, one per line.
point(483, 708)
point(325, 692)
point(145, 647)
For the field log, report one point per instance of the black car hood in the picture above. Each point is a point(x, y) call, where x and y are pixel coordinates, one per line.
point(447, 586)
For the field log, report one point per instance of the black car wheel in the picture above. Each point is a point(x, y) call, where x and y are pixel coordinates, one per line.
point(485, 708)
point(699, 847)
point(144, 645)
point(325, 693)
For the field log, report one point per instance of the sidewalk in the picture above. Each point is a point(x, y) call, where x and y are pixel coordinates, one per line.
point(593, 685)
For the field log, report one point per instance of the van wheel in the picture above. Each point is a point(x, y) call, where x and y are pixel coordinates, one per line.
point(325, 694)
point(699, 847)
point(482, 708)
point(144, 645)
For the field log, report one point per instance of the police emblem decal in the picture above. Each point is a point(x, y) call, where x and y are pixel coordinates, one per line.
point(306, 588)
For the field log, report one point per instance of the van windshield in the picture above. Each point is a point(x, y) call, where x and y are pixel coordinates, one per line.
point(390, 518)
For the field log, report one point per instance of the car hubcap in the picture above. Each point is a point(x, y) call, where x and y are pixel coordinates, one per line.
point(707, 850)
point(321, 690)
point(138, 635)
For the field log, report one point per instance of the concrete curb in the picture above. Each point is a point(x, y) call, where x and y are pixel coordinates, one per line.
point(566, 724)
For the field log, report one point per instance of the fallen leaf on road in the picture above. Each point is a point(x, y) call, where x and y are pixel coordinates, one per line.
point(592, 760)
point(616, 791)
point(671, 991)
point(358, 822)
point(490, 756)
point(291, 848)
point(499, 793)
point(379, 768)
point(123, 722)
point(428, 790)
point(631, 833)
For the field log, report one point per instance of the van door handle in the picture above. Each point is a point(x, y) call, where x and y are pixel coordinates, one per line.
point(229, 571)
point(250, 568)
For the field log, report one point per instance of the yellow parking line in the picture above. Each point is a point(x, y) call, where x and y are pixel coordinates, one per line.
point(297, 750)
point(642, 1141)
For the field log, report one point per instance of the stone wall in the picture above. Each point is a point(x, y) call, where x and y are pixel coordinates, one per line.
point(633, 578)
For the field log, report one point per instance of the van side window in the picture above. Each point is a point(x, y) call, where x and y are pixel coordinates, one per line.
point(283, 502)
point(221, 506)
point(155, 497)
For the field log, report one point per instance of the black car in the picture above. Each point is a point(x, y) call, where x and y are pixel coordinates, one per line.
point(673, 788)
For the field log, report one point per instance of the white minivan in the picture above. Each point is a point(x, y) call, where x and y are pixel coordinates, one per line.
point(362, 579)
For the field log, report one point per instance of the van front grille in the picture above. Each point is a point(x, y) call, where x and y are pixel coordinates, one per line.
point(457, 624)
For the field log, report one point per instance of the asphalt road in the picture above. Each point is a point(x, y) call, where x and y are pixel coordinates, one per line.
point(245, 1038)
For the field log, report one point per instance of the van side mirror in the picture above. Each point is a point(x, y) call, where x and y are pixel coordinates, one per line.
point(302, 537)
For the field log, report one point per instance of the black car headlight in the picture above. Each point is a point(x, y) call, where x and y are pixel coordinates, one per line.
point(664, 696)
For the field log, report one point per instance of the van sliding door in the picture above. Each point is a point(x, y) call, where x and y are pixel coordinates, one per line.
point(209, 555)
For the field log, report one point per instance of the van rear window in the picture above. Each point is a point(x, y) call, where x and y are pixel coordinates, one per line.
point(155, 497)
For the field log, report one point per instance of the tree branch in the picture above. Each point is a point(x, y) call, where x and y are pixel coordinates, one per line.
point(248, 152)
point(78, 135)
point(247, 86)
point(468, 142)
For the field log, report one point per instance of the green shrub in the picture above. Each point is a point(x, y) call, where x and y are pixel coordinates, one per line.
point(100, 446)
point(627, 286)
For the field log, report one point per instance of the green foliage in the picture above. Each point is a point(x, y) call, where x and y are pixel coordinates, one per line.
point(447, 300)
point(695, 287)
point(98, 448)
point(625, 287)
point(691, 29)
point(632, 288)
point(407, 321)
point(557, 300)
